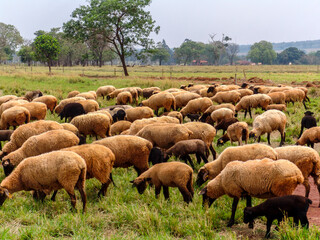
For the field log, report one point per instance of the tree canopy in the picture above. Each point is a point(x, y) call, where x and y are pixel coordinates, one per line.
point(262, 52)
point(290, 55)
point(161, 53)
point(10, 39)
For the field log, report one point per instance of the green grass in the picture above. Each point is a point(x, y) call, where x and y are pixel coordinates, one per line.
point(123, 213)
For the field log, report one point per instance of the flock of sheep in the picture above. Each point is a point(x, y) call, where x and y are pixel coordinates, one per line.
point(45, 156)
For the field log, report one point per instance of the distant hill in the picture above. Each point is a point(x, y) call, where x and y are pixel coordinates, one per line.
point(307, 46)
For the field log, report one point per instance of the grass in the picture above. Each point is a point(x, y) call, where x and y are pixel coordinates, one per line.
point(123, 213)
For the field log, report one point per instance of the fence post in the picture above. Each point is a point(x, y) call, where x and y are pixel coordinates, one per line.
point(244, 73)
point(115, 72)
point(170, 72)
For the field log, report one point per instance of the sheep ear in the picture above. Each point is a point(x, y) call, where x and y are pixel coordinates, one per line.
point(203, 191)
point(7, 193)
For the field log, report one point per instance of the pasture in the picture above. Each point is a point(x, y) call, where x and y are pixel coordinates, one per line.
point(124, 213)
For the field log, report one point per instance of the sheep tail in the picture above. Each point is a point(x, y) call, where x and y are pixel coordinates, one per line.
point(244, 134)
point(316, 172)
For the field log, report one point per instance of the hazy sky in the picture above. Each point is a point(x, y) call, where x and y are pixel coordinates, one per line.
point(245, 21)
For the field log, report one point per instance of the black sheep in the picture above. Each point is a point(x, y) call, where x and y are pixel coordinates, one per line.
point(193, 117)
point(308, 121)
point(5, 136)
point(156, 156)
point(71, 110)
point(274, 208)
point(119, 115)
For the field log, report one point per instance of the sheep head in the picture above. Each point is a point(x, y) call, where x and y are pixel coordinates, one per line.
point(202, 176)
point(205, 198)
point(220, 142)
point(140, 183)
point(4, 194)
point(7, 166)
point(247, 215)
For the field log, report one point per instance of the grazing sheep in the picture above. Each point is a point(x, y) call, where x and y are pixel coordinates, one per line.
point(30, 95)
point(252, 101)
point(165, 175)
point(64, 102)
point(11, 104)
point(119, 127)
point(73, 129)
point(204, 132)
point(262, 89)
point(267, 122)
point(277, 97)
point(163, 99)
point(242, 153)
point(156, 156)
point(222, 88)
point(105, 90)
point(225, 123)
point(226, 97)
point(198, 105)
point(183, 148)
point(280, 107)
point(129, 151)
point(87, 95)
point(49, 171)
point(70, 111)
point(124, 98)
point(134, 93)
point(183, 98)
point(36, 145)
point(49, 100)
point(7, 98)
point(147, 92)
point(89, 105)
point(275, 208)
point(255, 178)
point(308, 121)
point(295, 95)
point(37, 110)
point(5, 136)
point(305, 92)
point(94, 124)
point(310, 137)
point(164, 135)
point(193, 117)
point(236, 132)
point(174, 114)
point(220, 114)
point(206, 115)
point(136, 113)
point(244, 92)
point(280, 89)
point(73, 94)
point(14, 116)
point(119, 115)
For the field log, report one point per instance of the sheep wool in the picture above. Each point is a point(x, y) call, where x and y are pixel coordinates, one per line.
point(133, 114)
point(14, 116)
point(64, 102)
point(163, 99)
point(119, 127)
point(37, 110)
point(49, 100)
point(221, 113)
point(198, 105)
point(124, 98)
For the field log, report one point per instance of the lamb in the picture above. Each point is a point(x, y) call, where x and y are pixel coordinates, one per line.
point(274, 208)
point(225, 123)
point(147, 92)
point(129, 151)
point(71, 110)
point(95, 124)
point(306, 159)
point(49, 171)
point(183, 148)
point(73, 94)
point(49, 100)
point(308, 121)
point(193, 117)
point(238, 131)
point(310, 137)
point(277, 97)
point(295, 95)
point(206, 115)
point(64, 102)
point(156, 156)
point(124, 98)
point(204, 132)
point(252, 101)
point(119, 127)
point(30, 95)
point(164, 99)
point(14, 116)
point(165, 175)
point(183, 98)
point(164, 135)
point(254, 178)
point(220, 114)
point(37, 110)
point(136, 113)
point(226, 97)
point(198, 105)
point(241, 153)
point(36, 145)
point(5, 136)
point(105, 90)
point(267, 122)
point(280, 107)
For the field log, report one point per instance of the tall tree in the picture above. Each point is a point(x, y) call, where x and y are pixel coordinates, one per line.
point(188, 51)
point(217, 48)
point(262, 52)
point(290, 55)
point(122, 24)
point(26, 52)
point(160, 53)
point(47, 49)
point(10, 39)
point(232, 50)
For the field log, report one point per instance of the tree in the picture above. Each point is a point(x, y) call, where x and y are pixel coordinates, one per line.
point(121, 24)
point(232, 50)
point(26, 53)
point(10, 39)
point(217, 48)
point(262, 52)
point(290, 55)
point(160, 53)
point(188, 51)
point(47, 49)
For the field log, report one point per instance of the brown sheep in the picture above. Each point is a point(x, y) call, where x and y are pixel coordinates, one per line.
point(183, 98)
point(226, 97)
point(220, 114)
point(37, 110)
point(198, 105)
point(105, 90)
point(310, 137)
point(252, 101)
point(7, 98)
point(124, 98)
point(73, 94)
point(30, 95)
point(280, 107)
point(118, 127)
point(14, 116)
point(295, 95)
point(11, 104)
point(49, 100)
point(136, 113)
point(236, 132)
point(277, 97)
point(163, 99)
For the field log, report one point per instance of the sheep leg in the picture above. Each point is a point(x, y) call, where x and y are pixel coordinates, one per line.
point(83, 198)
point(165, 192)
point(187, 159)
point(73, 199)
point(304, 104)
point(307, 186)
point(186, 194)
point(190, 186)
point(53, 197)
point(245, 114)
point(259, 139)
point(214, 154)
point(269, 223)
point(204, 158)
point(198, 158)
point(304, 220)
point(250, 112)
point(233, 212)
point(104, 188)
point(156, 112)
point(249, 204)
point(268, 137)
point(312, 145)
point(157, 191)
point(138, 170)
point(316, 180)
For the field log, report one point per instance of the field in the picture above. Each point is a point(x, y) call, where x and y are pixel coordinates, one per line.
point(123, 213)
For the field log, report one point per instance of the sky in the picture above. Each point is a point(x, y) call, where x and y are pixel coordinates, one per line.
point(245, 21)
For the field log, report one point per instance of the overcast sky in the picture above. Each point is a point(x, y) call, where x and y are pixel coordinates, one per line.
point(245, 21)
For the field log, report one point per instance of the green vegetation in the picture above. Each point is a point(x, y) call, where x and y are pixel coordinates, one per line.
point(123, 213)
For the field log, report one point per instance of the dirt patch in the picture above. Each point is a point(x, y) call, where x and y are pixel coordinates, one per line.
point(314, 211)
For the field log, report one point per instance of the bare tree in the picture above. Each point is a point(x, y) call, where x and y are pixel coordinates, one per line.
point(232, 50)
point(218, 47)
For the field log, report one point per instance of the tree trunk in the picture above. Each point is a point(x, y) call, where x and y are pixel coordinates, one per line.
point(124, 66)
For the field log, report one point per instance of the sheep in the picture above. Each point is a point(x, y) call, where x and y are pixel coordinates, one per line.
point(225, 123)
point(280, 107)
point(89, 105)
point(174, 114)
point(14, 116)
point(86, 95)
point(295, 95)
point(37, 110)
point(226, 97)
point(220, 114)
point(5, 136)
point(238, 131)
point(73, 129)
point(129, 151)
point(252, 101)
point(7, 98)
point(49, 100)
point(64, 102)
point(305, 92)
point(183, 148)
point(49, 171)
point(198, 105)
point(206, 115)
point(165, 175)
point(204, 132)
point(147, 92)
point(119, 115)
point(71, 110)
point(73, 94)
point(36, 145)
point(274, 208)
point(244, 92)
point(310, 137)
point(183, 98)
point(156, 156)
point(11, 104)
point(137, 125)
point(105, 90)
point(95, 124)
point(222, 88)
point(165, 100)
point(193, 117)
point(267, 122)
point(277, 97)
point(124, 97)
point(134, 93)
point(105, 112)
point(306, 159)
point(164, 135)
point(30, 95)
point(119, 127)
point(114, 93)
point(308, 121)
point(241, 153)
point(136, 113)
point(254, 178)
point(280, 89)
